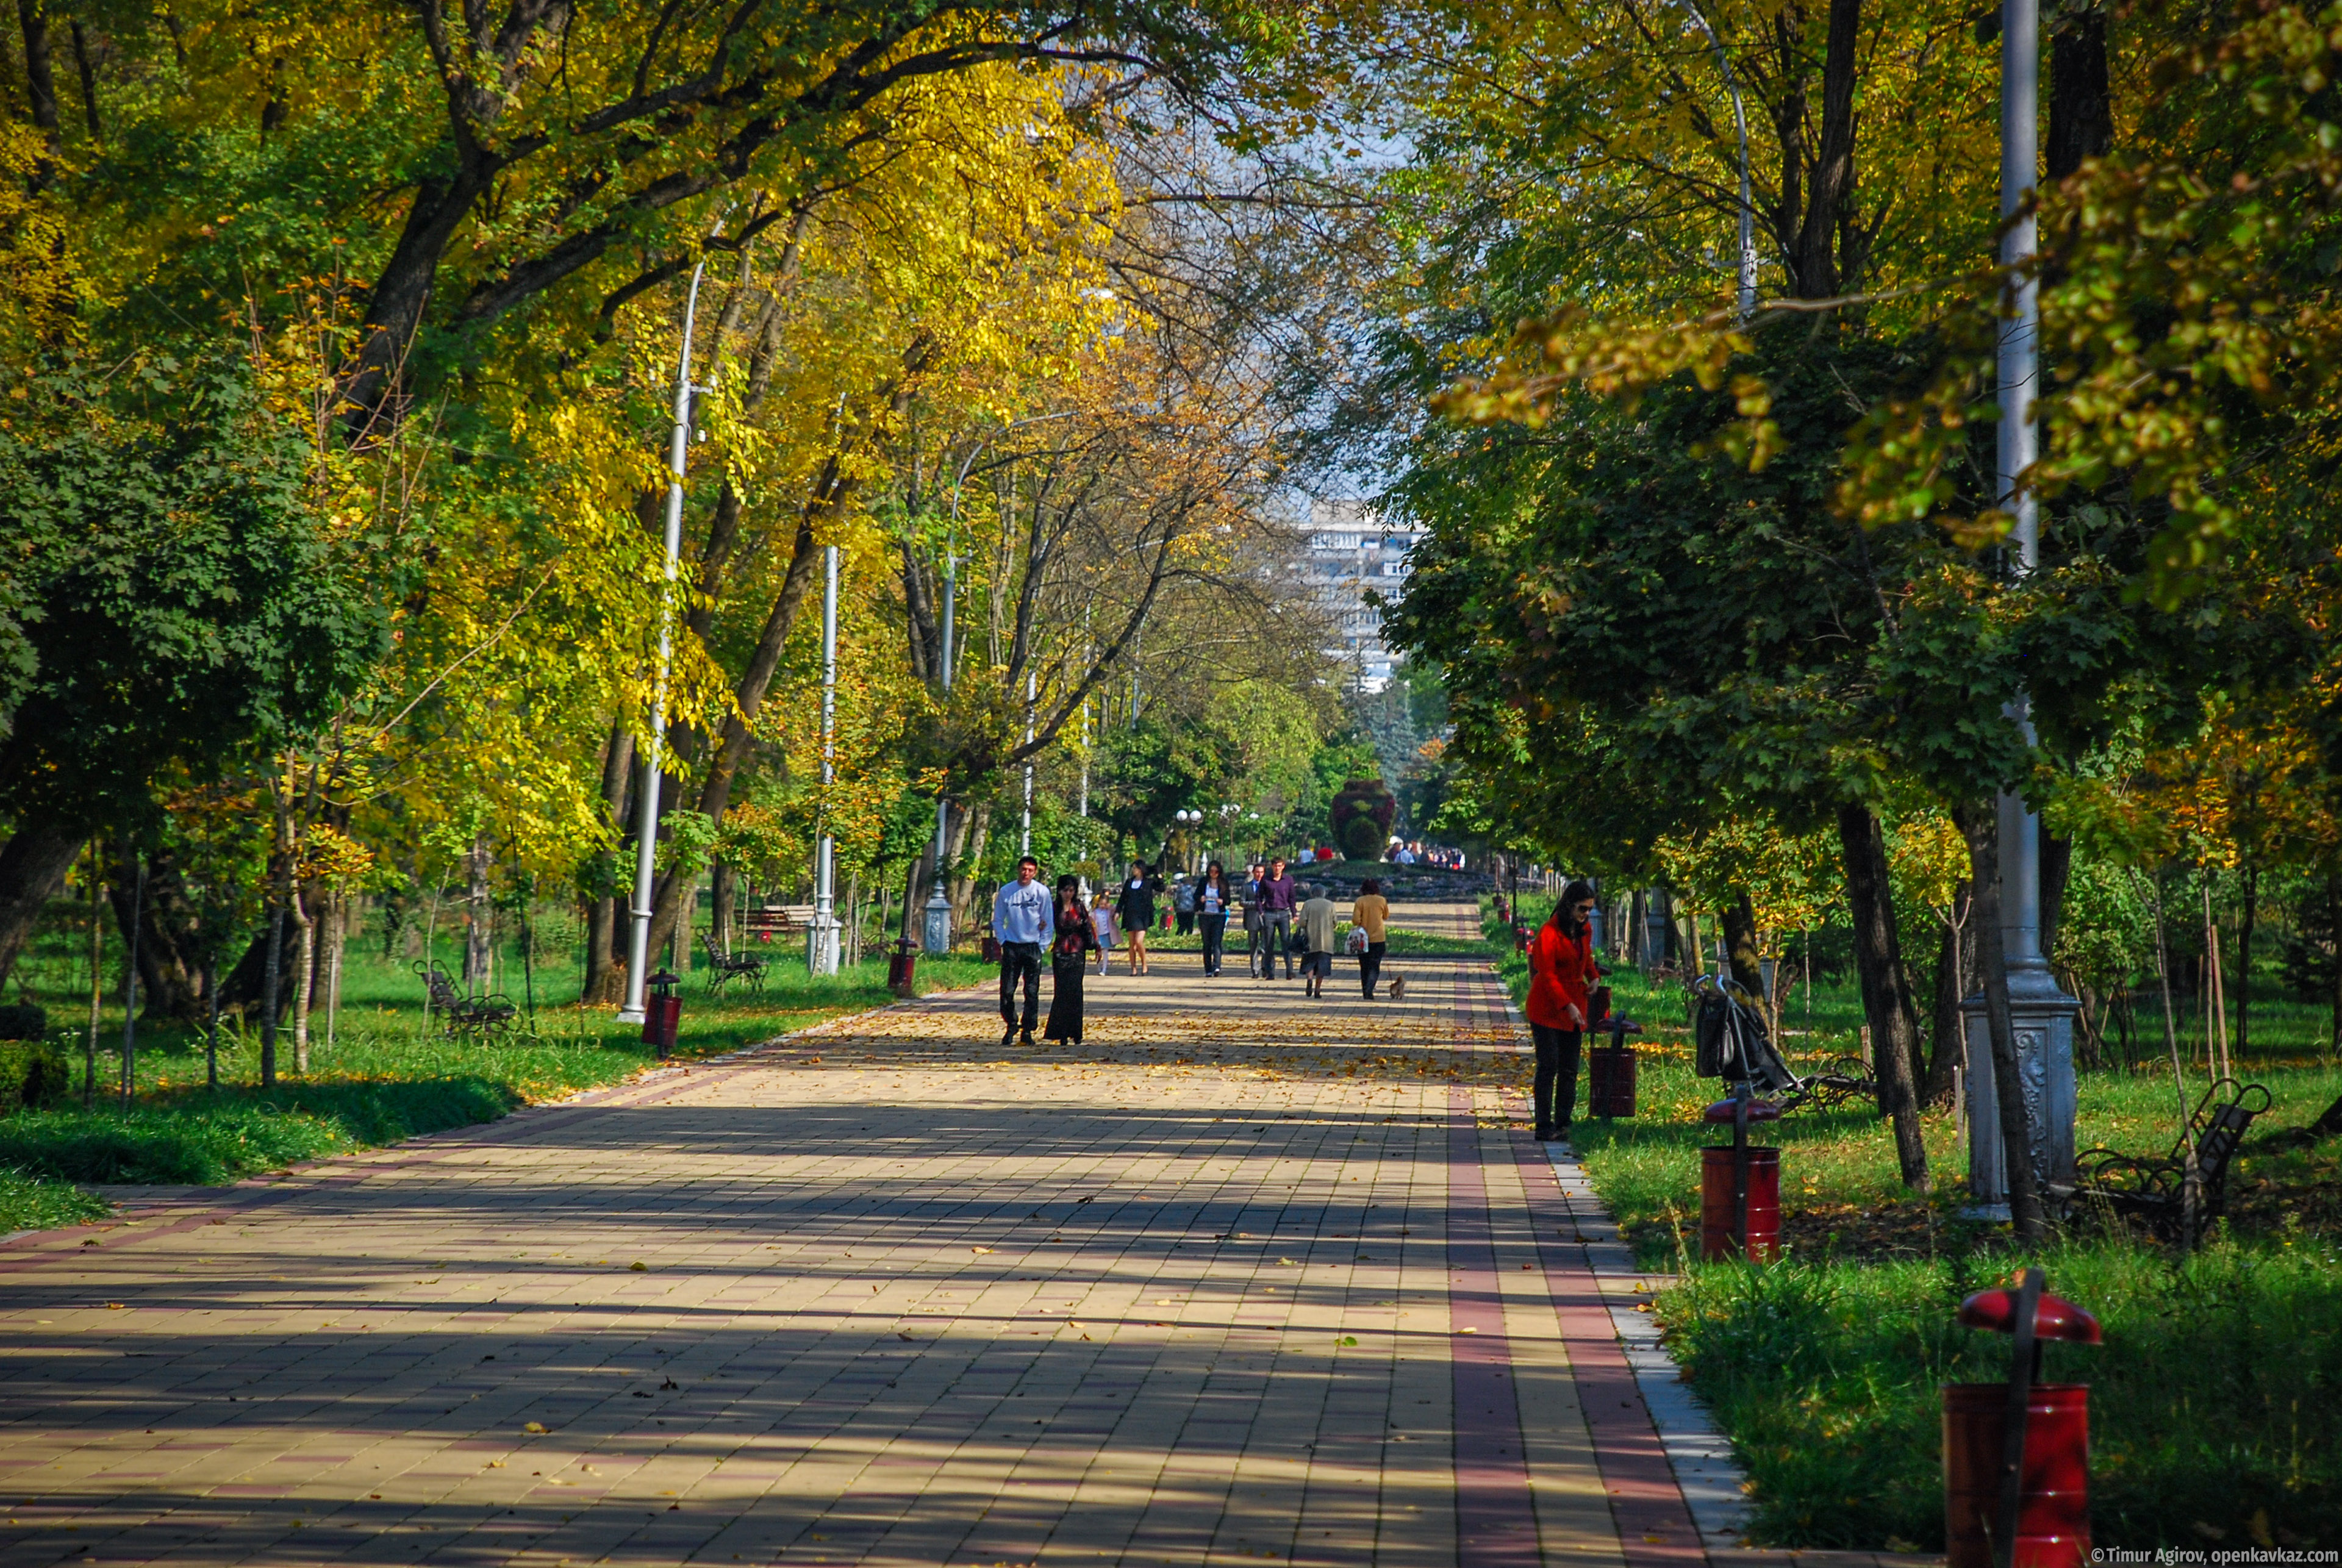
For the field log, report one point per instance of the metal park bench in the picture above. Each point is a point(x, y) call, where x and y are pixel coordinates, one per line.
point(724, 966)
point(777, 920)
point(491, 1014)
point(2155, 1190)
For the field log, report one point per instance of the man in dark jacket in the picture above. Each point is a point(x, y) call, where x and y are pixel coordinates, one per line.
point(1276, 901)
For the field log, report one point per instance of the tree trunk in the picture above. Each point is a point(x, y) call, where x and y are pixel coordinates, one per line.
point(1748, 966)
point(475, 927)
point(338, 933)
point(1885, 987)
point(605, 980)
point(2081, 103)
point(170, 932)
point(1980, 826)
point(721, 878)
point(2057, 865)
point(2334, 924)
point(2244, 960)
point(915, 893)
point(965, 848)
point(1818, 261)
point(1949, 1053)
point(32, 869)
point(305, 988)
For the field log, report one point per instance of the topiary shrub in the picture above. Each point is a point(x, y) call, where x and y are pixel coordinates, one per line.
point(1361, 817)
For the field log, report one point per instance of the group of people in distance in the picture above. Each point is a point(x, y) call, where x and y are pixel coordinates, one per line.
point(1279, 917)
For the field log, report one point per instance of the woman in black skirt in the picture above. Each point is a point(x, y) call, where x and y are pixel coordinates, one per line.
point(1069, 960)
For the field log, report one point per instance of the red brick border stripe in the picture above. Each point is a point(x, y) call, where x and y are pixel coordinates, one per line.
point(1496, 1522)
point(1655, 1529)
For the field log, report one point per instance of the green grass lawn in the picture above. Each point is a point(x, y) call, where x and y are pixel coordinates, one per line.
point(386, 1075)
point(2217, 1399)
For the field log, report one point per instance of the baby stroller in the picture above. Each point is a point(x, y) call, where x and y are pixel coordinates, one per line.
point(1732, 1044)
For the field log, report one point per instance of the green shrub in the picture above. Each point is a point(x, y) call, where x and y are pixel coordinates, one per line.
point(200, 1140)
point(32, 1073)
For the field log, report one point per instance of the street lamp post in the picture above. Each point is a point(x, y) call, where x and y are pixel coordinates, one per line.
point(1025, 838)
point(638, 934)
point(821, 943)
point(1747, 280)
point(2041, 1012)
point(936, 932)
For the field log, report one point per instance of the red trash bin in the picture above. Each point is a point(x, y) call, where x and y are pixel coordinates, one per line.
point(2053, 1519)
point(1718, 1236)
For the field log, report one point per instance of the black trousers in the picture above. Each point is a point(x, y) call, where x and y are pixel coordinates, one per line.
point(1020, 959)
point(1216, 936)
point(1276, 937)
point(1557, 1074)
point(1370, 966)
point(1187, 920)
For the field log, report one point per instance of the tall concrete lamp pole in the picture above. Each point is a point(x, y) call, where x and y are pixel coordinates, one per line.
point(821, 944)
point(2042, 1013)
point(638, 934)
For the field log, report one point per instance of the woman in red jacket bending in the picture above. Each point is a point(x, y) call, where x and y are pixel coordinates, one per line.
point(1561, 969)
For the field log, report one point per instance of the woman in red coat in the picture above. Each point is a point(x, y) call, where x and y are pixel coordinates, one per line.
point(1561, 970)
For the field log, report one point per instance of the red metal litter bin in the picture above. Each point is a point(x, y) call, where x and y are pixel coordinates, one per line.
point(1610, 1081)
point(1610, 1069)
point(1739, 1185)
point(2025, 1491)
point(903, 969)
point(662, 1014)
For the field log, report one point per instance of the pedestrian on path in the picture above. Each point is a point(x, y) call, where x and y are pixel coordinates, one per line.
point(1021, 924)
point(1069, 960)
point(1134, 910)
point(1251, 895)
point(1213, 899)
point(1277, 898)
point(1102, 921)
point(1183, 903)
point(1561, 968)
point(1318, 918)
point(1370, 912)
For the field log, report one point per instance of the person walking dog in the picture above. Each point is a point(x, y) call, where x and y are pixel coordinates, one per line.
point(1021, 924)
point(1075, 939)
point(1561, 969)
point(1370, 912)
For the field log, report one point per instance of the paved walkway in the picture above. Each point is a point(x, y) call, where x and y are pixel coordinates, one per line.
point(1246, 1278)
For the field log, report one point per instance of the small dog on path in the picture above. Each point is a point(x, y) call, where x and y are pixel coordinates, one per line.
point(1398, 987)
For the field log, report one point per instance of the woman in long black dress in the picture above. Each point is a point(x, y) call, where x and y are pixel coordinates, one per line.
point(1069, 960)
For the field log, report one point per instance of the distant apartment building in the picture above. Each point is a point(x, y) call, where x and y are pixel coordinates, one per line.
point(1347, 554)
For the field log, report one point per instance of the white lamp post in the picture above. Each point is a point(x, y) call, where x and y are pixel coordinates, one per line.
point(821, 942)
point(2041, 1012)
point(638, 935)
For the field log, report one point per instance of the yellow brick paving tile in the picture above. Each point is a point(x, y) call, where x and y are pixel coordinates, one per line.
point(1179, 1296)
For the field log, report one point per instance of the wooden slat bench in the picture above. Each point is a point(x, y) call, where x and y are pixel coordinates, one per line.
point(777, 920)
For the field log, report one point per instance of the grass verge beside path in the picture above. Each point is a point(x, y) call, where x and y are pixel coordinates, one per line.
point(385, 1078)
point(2216, 1416)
